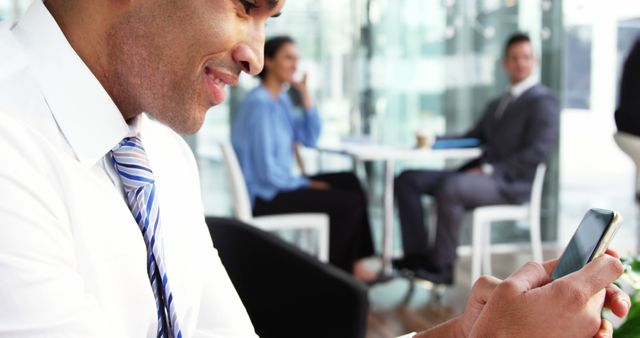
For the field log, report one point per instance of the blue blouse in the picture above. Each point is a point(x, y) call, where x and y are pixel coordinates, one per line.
point(263, 133)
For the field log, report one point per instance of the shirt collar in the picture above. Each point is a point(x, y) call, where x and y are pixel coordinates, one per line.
point(519, 88)
point(86, 115)
point(266, 91)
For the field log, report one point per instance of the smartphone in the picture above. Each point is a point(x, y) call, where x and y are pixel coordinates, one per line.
point(591, 240)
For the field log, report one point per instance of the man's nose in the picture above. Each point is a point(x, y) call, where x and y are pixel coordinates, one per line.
point(250, 53)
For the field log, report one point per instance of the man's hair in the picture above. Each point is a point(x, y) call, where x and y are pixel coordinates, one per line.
point(272, 47)
point(514, 39)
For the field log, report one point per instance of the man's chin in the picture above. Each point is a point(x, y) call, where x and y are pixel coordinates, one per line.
point(184, 125)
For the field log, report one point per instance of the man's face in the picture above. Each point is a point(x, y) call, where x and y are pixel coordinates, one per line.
point(519, 61)
point(172, 59)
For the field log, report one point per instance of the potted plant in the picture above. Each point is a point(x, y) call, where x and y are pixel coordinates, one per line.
point(631, 327)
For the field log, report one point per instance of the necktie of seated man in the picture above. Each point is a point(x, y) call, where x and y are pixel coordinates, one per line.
point(502, 106)
point(131, 163)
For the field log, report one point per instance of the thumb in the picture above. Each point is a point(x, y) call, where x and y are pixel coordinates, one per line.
point(530, 276)
point(596, 275)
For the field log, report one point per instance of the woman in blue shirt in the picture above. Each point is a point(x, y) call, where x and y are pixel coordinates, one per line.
point(264, 132)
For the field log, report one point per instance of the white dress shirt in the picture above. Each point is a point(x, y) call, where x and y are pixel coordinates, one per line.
point(72, 258)
point(519, 88)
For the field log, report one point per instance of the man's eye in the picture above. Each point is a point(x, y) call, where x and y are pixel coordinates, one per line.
point(248, 6)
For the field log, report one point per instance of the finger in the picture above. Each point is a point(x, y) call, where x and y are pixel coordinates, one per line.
point(612, 252)
point(483, 288)
point(596, 275)
point(617, 301)
point(606, 330)
point(550, 265)
point(530, 276)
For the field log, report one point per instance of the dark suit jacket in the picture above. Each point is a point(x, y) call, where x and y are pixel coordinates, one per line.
point(628, 112)
point(520, 140)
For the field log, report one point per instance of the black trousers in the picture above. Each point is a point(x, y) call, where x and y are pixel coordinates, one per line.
point(455, 192)
point(345, 203)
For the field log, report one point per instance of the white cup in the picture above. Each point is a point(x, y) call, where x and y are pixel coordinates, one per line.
point(424, 138)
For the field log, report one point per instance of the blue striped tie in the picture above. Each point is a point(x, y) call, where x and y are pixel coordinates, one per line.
point(130, 161)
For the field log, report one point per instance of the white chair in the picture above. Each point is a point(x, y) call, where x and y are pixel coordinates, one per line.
point(482, 218)
point(310, 222)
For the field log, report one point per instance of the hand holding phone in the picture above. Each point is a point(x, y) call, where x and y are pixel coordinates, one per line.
point(590, 241)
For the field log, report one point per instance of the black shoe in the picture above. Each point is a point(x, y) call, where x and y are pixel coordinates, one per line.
point(403, 263)
point(410, 262)
point(436, 275)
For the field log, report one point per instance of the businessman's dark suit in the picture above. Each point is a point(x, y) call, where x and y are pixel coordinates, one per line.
point(628, 112)
point(515, 142)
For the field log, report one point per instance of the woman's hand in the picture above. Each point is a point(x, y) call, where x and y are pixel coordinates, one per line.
point(301, 87)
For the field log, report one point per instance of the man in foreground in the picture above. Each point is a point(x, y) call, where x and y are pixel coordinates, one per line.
point(102, 231)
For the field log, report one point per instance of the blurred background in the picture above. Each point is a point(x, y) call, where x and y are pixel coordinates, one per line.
point(386, 68)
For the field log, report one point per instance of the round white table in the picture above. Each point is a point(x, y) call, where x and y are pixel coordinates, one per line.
point(369, 152)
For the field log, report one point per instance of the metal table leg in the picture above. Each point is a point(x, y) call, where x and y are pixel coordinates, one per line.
point(387, 246)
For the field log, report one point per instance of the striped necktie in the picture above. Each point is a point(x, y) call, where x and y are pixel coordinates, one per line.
point(130, 161)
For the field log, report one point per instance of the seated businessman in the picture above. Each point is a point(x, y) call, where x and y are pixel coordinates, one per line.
point(518, 131)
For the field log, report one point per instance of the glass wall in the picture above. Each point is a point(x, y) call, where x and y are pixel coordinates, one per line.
point(12, 9)
point(389, 67)
point(386, 68)
point(436, 64)
point(594, 171)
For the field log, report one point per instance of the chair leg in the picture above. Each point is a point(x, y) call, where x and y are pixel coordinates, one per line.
point(310, 239)
point(486, 248)
point(536, 241)
point(297, 237)
point(323, 243)
point(476, 248)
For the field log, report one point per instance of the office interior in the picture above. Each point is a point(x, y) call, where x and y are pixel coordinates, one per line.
point(380, 70)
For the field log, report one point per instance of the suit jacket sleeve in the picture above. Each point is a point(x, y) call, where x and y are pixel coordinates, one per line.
point(538, 141)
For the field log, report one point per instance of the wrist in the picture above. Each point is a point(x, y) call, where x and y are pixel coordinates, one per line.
point(307, 103)
point(449, 329)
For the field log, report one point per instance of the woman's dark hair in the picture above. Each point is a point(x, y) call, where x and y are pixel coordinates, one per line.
point(514, 39)
point(272, 47)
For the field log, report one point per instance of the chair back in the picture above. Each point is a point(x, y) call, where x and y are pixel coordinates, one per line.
point(535, 200)
point(241, 201)
point(285, 291)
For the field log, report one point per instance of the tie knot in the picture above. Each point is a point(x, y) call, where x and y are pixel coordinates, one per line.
point(131, 163)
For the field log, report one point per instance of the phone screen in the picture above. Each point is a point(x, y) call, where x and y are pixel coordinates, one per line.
point(584, 242)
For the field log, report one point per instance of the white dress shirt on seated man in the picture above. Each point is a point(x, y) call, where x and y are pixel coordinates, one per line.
point(72, 258)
